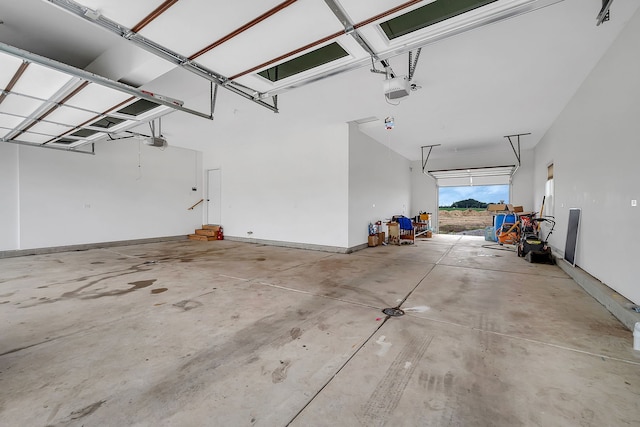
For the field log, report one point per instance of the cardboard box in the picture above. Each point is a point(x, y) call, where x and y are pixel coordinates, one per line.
point(428, 234)
point(518, 209)
point(381, 239)
point(373, 240)
point(496, 207)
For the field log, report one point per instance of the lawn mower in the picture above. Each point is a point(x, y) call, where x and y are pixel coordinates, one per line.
point(531, 245)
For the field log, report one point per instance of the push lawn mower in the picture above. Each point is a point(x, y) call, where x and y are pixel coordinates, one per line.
point(532, 246)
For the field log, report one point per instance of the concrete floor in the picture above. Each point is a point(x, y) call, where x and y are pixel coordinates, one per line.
point(232, 334)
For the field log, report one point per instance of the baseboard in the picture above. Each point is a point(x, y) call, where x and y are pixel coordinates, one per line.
point(86, 246)
point(618, 305)
point(294, 245)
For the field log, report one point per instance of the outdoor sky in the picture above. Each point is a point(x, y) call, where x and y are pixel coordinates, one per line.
point(482, 193)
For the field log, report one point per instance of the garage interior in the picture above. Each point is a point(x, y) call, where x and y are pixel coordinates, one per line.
point(293, 125)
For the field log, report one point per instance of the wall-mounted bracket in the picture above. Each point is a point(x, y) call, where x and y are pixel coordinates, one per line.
point(426, 159)
point(603, 15)
point(513, 147)
point(413, 63)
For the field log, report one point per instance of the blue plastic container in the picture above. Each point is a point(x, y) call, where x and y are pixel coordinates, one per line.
point(500, 219)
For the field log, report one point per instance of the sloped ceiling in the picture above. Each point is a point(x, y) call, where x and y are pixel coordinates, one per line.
point(512, 76)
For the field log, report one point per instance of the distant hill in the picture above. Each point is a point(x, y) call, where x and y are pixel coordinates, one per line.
point(469, 203)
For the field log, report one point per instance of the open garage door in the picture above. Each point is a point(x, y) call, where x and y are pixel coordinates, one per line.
point(484, 181)
point(493, 175)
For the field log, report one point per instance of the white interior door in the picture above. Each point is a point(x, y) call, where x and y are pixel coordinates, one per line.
point(214, 190)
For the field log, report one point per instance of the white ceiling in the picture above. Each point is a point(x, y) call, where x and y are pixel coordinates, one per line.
point(513, 76)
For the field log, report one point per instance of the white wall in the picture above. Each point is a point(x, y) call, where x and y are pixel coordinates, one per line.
point(379, 184)
point(284, 182)
point(594, 146)
point(66, 199)
point(9, 197)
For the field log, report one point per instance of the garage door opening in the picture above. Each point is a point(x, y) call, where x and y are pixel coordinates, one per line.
point(463, 209)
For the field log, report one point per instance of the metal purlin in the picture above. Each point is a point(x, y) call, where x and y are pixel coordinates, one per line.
point(156, 49)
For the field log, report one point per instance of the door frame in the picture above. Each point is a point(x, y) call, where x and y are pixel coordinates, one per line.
point(207, 194)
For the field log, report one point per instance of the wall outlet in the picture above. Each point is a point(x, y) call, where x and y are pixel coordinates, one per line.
point(634, 203)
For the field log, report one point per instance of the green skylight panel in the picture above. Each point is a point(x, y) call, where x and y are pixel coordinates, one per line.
point(427, 15)
point(106, 122)
point(84, 133)
point(305, 62)
point(141, 106)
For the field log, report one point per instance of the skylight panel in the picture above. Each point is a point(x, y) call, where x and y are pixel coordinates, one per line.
point(138, 108)
point(83, 133)
point(305, 62)
point(427, 15)
point(106, 122)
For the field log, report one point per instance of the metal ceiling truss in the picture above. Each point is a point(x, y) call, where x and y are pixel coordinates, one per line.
point(76, 72)
point(350, 28)
point(407, 47)
point(79, 80)
point(159, 50)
